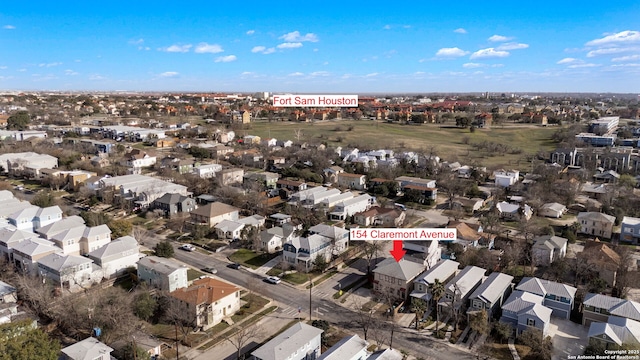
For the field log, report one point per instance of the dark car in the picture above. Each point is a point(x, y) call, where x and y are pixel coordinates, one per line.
point(210, 270)
point(235, 266)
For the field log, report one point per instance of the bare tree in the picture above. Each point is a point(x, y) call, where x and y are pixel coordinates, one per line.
point(371, 249)
point(141, 234)
point(365, 316)
point(623, 275)
point(242, 336)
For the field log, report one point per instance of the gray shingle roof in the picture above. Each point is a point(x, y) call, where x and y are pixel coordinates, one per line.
point(404, 269)
point(117, 246)
point(58, 262)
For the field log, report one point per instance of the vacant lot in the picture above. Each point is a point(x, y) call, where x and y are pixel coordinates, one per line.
point(448, 142)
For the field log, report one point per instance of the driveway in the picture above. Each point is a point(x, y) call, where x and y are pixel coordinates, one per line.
point(568, 337)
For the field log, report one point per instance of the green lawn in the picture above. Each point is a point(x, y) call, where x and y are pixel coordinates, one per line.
point(193, 274)
point(251, 258)
point(254, 303)
point(296, 278)
point(444, 140)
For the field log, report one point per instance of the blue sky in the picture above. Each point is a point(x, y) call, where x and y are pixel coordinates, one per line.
point(329, 46)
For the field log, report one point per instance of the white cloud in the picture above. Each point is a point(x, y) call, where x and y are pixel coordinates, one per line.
point(320, 73)
point(289, 45)
point(472, 65)
point(582, 65)
point(50, 64)
point(228, 58)
point(499, 38)
point(626, 36)
point(460, 31)
point(169, 74)
point(251, 32)
point(611, 50)
point(204, 48)
point(3, 67)
point(568, 61)
point(297, 73)
point(262, 50)
point(451, 52)
point(136, 41)
point(489, 53)
point(9, 27)
point(70, 72)
point(387, 27)
point(626, 58)
point(177, 48)
point(22, 70)
point(512, 46)
point(371, 75)
point(295, 36)
point(246, 73)
point(97, 77)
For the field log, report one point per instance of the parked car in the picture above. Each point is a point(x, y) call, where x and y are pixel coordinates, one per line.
point(235, 266)
point(210, 270)
point(273, 280)
point(188, 247)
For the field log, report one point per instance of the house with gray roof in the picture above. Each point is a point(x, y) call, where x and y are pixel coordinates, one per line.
point(228, 229)
point(27, 253)
point(490, 295)
point(442, 271)
point(598, 307)
point(349, 348)
point(94, 237)
point(57, 227)
point(272, 239)
point(552, 210)
point(596, 224)
point(386, 354)
point(298, 342)
point(548, 249)
point(116, 256)
point(89, 348)
point(524, 310)
point(8, 293)
point(303, 251)
point(174, 204)
point(395, 278)
point(162, 273)
point(616, 332)
point(458, 289)
point(9, 237)
point(71, 271)
point(558, 297)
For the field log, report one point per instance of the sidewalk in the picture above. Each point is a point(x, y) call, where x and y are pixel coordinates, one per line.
point(267, 266)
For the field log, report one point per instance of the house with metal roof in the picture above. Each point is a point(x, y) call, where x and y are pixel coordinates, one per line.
point(616, 332)
point(548, 249)
point(490, 295)
point(298, 342)
point(89, 348)
point(116, 256)
point(524, 310)
point(395, 278)
point(71, 271)
point(558, 297)
point(443, 271)
point(162, 273)
point(630, 230)
point(458, 289)
point(598, 307)
point(349, 348)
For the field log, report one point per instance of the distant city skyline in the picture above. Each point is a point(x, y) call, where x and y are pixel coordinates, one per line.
point(328, 47)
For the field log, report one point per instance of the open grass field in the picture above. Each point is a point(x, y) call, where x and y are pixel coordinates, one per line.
point(448, 142)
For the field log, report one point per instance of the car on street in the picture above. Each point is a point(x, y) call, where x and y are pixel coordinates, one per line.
point(210, 270)
point(273, 280)
point(188, 247)
point(235, 266)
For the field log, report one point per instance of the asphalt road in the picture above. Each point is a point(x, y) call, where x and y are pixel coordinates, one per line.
point(294, 302)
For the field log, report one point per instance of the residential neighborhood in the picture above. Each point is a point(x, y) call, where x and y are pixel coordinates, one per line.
point(178, 226)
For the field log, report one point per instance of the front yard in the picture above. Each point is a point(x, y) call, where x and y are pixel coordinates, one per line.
point(251, 258)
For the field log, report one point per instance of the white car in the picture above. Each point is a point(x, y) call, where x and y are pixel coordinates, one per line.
point(188, 247)
point(273, 279)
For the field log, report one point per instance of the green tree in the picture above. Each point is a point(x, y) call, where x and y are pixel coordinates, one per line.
point(419, 307)
point(120, 228)
point(320, 263)
point(144, 306)
point(20, 341)
point(503, 331)
point(479, 322)
point(126, 353)
point(164, 249)
point(19, 121)
point(94, 218)
point(437, 292)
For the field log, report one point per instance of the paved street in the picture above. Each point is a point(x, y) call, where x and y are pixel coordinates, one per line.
point(295, 300)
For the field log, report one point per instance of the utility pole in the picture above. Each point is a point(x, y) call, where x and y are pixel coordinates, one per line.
point(310, 288)
point(177, 344)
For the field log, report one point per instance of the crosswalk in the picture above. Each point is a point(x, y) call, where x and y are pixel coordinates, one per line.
point(293, 311)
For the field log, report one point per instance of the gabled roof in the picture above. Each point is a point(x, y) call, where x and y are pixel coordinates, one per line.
point(72, 233)
point(346, 348)
point(48, 211)
point(87, 349)
point(466, 280)
point(35, 246)
point(627, 309)
point(59, 262)
point(543, 287)
point(619, 330)
point(287, 342)
point(160, 265)
point(601, 301)
point(170, 198)
point(443, 270)
point(10, 235)
point(554, 206)
point(229, 225)
point(91, 231)
point(330, 231)
point(464, 231)
point(520, 301)
point(404, 269)
point(596, 216)
point(386, 354)
point(214, 209)
point(631, 221)
point(538, 310)
point(493, 287)
point(205, 291)
point(600, 254)
point(117, 246)
point(59, 226)
point(550, 242)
